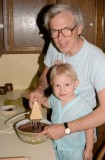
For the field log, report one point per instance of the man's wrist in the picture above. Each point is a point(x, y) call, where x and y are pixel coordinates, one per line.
point(67, 129)
point(41, 89)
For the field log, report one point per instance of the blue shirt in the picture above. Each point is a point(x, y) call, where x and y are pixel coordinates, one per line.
point(73, 110)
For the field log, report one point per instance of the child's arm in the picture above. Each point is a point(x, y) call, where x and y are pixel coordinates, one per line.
point(44, 102)
point(88, 152)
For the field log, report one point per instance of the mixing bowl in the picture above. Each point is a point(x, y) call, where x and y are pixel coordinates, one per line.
point(29, 137)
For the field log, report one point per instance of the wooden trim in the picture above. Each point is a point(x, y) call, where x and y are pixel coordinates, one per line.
point(99, 8)
point(104, 26)
point(10, 21)
point(26, 49)
point(101, 153)
point(21, 52)
point(1, 29)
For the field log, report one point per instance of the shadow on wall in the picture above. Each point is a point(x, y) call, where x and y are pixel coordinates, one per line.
point(34, 80)
point(44, 32)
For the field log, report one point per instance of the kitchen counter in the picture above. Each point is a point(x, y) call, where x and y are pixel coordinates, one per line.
point(11, 145)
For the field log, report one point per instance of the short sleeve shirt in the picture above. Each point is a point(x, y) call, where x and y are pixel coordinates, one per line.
point(89, 64)
point(71, 111)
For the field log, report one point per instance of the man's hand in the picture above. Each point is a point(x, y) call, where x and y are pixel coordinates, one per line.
point(53, 131)
point(35, 96)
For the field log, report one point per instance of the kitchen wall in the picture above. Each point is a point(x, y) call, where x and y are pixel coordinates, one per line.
point(18, 69)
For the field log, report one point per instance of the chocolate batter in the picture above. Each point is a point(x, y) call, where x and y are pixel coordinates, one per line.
point(29, 128)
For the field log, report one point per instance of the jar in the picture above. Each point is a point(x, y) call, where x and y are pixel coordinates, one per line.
point(3, 90)
point(9, 86)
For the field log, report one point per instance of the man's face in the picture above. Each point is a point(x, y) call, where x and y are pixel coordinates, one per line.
point(65, 20)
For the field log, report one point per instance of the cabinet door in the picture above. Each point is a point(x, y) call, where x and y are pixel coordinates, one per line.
point(88, 8)
point(104, 27)
point(1, 27)
point(24, 34)
point(101, 24)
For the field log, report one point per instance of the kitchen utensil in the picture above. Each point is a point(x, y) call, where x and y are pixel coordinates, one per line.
point(36, 115)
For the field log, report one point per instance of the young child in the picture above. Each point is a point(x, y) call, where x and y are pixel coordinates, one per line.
point(67, 106)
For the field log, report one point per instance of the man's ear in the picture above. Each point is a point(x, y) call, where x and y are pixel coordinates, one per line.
point(76, 83)
point(80, 28)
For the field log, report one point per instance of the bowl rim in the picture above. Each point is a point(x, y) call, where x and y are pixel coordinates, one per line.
point(26, 121)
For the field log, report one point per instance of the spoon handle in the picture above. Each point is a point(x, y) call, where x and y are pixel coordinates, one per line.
point(19, 115)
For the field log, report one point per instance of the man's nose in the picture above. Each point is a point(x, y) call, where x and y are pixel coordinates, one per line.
point(60, 35)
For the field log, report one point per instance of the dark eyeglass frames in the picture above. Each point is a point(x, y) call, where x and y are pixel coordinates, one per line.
point(67, 32)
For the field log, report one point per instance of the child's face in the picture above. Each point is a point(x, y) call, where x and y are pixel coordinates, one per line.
point(63, 87)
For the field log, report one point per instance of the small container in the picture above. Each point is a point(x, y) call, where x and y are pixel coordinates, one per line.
point(3, 90)
point(9, 86)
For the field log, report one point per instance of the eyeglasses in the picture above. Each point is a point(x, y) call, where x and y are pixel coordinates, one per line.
point(67, 32)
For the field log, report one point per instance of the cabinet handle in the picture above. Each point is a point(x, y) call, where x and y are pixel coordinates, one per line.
point(1, 25)
point(91, 24)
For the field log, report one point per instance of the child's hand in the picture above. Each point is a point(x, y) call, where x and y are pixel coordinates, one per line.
point(87, 155)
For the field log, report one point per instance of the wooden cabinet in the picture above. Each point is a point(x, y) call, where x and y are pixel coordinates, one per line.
point(88, 8)
point(94, 16)
point(100, 39)
point(1, 27)
point(103, 26)
point(24, 23)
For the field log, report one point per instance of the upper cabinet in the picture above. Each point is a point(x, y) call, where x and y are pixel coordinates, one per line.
point(25, 31)
point(23, 23)
point(101, 24)
point(88, 8)
point(94, 16)
point(1, 27)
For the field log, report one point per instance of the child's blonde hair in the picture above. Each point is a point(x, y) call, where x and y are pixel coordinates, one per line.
point(63, 68)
